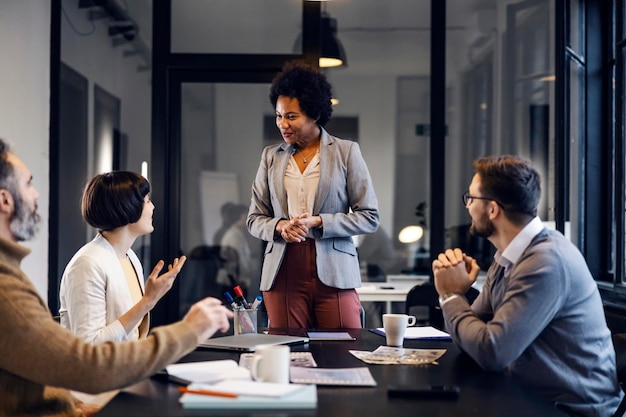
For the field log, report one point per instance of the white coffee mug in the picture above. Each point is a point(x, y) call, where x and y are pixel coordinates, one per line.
point(270, 363)
point(395, 325)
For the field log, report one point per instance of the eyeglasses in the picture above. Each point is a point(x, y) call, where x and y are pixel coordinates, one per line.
point(467, 198)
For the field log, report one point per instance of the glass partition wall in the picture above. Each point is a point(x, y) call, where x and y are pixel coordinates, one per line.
point(211, 116)
point(500, 95)
point(104, 110)
point(382, 99)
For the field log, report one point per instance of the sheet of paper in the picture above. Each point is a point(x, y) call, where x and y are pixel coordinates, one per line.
point(423, 332)
point(330, 336)
point(207, 371)
point(253, 388)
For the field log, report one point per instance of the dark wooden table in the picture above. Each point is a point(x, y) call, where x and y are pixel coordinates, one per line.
point(482, 393)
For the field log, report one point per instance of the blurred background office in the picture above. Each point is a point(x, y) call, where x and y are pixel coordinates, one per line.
point(424, 88)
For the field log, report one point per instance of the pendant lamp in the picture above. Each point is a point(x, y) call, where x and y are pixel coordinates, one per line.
point(332, 53)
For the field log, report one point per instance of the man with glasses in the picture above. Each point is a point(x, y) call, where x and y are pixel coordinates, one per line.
point(539, 315)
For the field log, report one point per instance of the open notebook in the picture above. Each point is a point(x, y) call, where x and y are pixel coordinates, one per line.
point(247, 342)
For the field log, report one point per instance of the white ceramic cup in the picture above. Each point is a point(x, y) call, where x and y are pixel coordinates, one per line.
point(270, 363)
point(395, 325)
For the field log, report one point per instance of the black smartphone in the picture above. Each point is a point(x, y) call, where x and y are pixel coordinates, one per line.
point(448, 392)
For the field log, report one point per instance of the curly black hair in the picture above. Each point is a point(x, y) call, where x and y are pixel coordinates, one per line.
point(307, 84)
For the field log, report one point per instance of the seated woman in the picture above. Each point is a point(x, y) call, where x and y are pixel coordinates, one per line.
point(103, 296)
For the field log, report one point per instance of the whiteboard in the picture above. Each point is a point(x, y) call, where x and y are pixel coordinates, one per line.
point(216, 188)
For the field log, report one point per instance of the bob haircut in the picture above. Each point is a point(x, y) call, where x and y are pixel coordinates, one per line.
point(309, 86)
point(114, 199)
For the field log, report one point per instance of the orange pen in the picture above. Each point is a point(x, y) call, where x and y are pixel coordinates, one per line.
point(207, 392)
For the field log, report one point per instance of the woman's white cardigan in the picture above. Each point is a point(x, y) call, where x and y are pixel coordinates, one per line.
point(94, 293)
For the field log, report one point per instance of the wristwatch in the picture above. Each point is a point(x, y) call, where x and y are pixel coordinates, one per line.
point(447, 297)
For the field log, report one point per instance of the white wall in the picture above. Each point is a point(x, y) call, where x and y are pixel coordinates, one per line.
point(24, 108)
point(377, 133)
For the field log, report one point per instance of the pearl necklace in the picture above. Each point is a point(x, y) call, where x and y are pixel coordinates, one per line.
point(304, 158)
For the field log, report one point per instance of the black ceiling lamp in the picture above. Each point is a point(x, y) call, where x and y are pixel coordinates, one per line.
point(332, 53)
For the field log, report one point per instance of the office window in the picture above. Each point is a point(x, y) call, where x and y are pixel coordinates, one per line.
point(575, 123)
point(619, 95)
point(606, 91)
point(612, 273)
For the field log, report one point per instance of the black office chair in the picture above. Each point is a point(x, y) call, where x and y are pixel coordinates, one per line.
point(362, 316)
point(619, 343)
point(198, 278)
point(425, 295)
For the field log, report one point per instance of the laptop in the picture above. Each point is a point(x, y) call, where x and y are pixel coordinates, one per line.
point(247, 342)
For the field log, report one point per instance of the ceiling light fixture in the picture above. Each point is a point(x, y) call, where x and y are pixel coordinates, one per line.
point(332, 53)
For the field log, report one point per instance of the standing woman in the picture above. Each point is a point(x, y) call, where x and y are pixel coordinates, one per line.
point(103, 297)
point(310, 196)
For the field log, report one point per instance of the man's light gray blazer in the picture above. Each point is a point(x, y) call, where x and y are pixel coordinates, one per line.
point(344, 184)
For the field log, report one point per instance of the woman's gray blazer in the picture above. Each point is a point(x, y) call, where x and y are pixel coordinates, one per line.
point(344, 184)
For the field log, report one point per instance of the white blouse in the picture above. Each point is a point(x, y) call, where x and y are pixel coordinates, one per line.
point(301, 187)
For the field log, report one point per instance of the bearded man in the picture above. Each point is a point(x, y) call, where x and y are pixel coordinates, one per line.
point(539, 315)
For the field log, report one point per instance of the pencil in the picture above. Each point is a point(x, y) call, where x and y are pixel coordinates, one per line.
point(206, 392)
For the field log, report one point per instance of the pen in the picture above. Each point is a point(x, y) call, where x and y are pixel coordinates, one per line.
point(257, 301)
point(240, 298)
point(232, 302)
point(186, 390)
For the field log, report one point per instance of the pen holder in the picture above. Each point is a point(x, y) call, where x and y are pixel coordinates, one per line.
point(245, 321)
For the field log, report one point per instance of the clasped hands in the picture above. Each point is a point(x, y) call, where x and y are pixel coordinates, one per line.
point(296, 229)
point(455, 272)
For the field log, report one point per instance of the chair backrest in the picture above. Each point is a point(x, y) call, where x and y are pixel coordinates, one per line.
point(425, 295)
point(198, 278)
point(362, 316)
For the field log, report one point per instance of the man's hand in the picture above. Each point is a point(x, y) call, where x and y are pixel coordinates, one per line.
point(454, 272)
point(208, 316)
